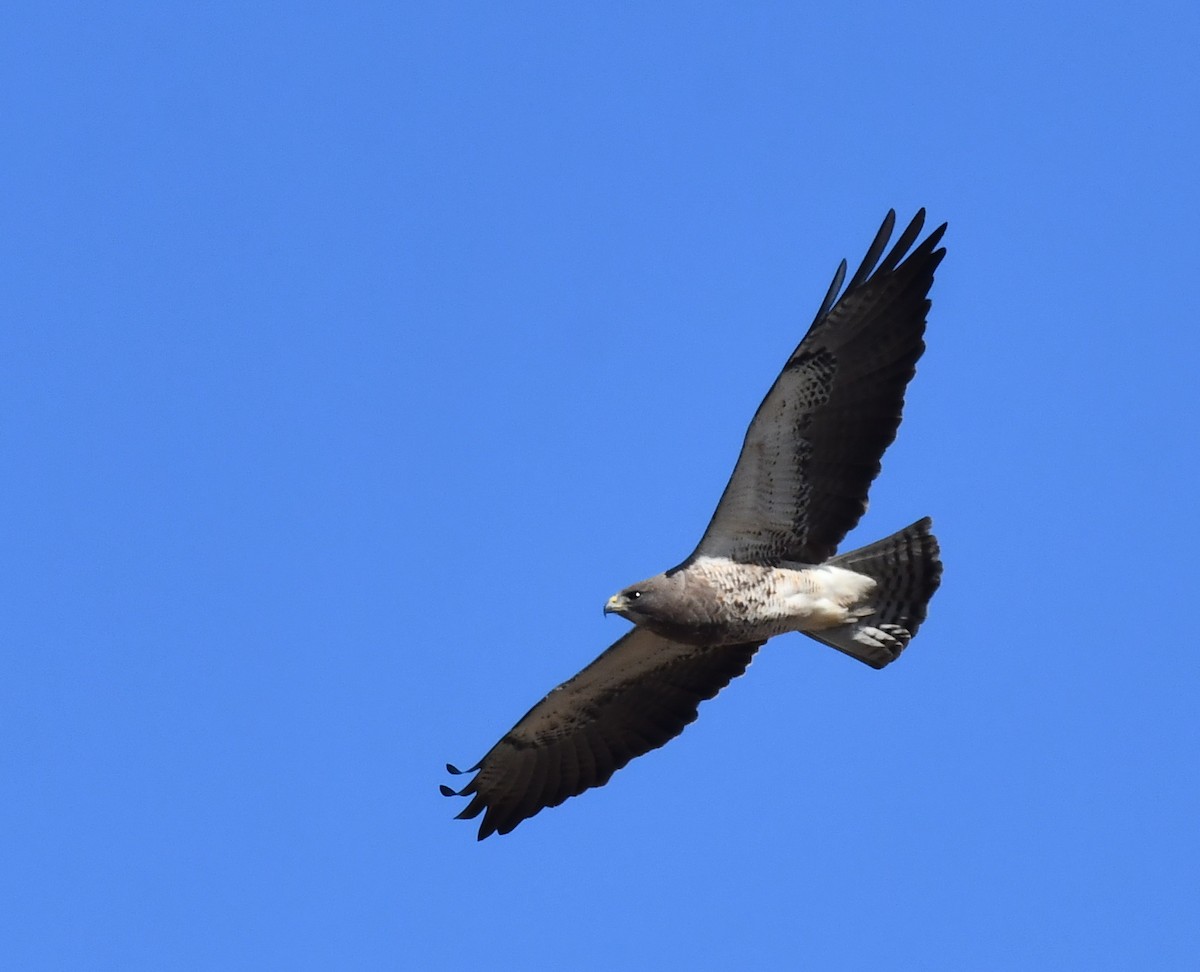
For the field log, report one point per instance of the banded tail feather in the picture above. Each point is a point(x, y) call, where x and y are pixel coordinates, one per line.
point(907, 569)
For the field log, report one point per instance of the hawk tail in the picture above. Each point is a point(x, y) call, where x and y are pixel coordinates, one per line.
point(907, 570)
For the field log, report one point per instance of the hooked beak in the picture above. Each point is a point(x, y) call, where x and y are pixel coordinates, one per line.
point(615, 605)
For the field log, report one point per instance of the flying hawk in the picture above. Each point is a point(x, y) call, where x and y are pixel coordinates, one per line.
point(766, 564)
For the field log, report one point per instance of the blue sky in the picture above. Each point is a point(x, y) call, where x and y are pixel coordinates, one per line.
point(352, 356)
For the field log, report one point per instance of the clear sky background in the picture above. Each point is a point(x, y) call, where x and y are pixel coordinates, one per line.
point(352, 355)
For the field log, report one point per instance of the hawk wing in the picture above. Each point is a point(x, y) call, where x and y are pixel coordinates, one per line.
point(814, 445)
point(638, 695)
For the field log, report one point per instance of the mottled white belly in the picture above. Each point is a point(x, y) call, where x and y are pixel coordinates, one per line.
point(767, 601)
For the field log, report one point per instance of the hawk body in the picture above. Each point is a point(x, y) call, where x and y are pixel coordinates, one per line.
point(717, 601)
point(766, 563)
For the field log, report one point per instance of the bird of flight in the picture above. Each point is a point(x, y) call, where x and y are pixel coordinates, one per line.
point(766, 564)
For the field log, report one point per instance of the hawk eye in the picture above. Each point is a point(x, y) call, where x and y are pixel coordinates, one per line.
point(634, 595)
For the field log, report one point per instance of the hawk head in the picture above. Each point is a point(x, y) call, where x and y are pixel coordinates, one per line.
point(650, 600)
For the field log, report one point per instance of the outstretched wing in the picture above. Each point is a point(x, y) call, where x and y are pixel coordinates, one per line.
point(814, 445)
point(638, 695)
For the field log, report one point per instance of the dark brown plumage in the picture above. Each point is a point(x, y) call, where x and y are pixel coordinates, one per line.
point(635, 697)
point(813, 447)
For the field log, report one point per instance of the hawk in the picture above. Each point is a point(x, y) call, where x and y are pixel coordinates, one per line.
point(766, 565)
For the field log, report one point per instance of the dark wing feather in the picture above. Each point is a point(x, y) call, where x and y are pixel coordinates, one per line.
point(814, 445)
point(635, 697)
